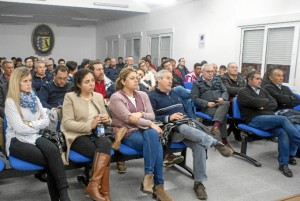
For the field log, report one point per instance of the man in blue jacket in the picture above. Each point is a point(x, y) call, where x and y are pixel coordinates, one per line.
point(168, 107)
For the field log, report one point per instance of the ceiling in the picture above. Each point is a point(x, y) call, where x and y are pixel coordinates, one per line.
point(74, 13)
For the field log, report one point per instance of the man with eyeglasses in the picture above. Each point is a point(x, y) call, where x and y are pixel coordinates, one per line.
point(52, 94)
point(211, 96)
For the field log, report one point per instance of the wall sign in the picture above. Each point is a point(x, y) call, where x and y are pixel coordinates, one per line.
point(42, 40)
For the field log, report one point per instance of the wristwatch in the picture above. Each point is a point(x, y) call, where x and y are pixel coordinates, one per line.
point(30, 123)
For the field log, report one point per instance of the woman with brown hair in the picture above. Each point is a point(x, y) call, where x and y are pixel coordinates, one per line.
point(132, 109)
point(83, 111)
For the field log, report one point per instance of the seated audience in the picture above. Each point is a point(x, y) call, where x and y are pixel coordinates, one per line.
point(257, 110)
point(130, 62)
point(84, 64)
point(52, 93)
point(149, 79)
point(107, 62)
point(193, 76)
point(73, 68)
point(49, 66)
point(25, 119)
point(233, 81)
point(222, 70)
point(103, 84)
point(161, 61)
point(149, 60)
point(61, 62)
point(168, 108)
point(177, 85)
point(113, 71)
point(132, 109)
point(29, 65)
point(40, 77)
point(120, 63)
point(141, 73)
point(83, 110)
point(182, 68)
point(211, 96)
point(285, 99)
point(8, 67)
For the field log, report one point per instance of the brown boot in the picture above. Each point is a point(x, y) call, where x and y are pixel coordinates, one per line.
point(160, 194)
point(99, 164)
point(147, 184)
point(104, 188)
point(120, 133)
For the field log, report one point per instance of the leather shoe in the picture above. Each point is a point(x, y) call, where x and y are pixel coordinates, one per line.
point(292, 161)
point(286, 170)
point(214, 130)
point(200, 191)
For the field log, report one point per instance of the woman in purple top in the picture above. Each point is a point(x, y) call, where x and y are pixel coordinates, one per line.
point(132, 109)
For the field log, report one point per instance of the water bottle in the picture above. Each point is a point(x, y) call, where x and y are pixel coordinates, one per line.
point(100, 130)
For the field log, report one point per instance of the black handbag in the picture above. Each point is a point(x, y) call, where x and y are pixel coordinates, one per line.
point(57, 138)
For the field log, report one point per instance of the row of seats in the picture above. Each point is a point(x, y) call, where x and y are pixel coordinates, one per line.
point(240, 125)
point(123, 154)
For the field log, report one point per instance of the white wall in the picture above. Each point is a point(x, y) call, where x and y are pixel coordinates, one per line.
point(71, 43)
point(219, 20)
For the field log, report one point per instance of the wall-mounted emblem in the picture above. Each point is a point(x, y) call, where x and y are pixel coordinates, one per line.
point(42, 40)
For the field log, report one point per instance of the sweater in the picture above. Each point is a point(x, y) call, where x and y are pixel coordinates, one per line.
point(165, 104)
point(52, 96)
point(119, 108)
point(15, 123)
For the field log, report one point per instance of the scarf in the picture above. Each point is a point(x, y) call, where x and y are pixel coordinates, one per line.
point(29, 100)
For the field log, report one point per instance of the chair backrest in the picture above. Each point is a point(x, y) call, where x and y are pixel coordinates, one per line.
point(236, 110)
point(188, 85)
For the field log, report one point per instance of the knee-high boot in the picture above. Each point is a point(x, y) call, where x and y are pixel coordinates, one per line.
point(100, 162)
point(104, 188)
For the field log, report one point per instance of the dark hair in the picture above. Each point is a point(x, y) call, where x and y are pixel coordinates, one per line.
point(251, 75)
point(197, 64)
point(120, 58)
point(203, 62)
point(94, 62)
point(60, 68)
point(84, 62)
point(166, 61)
point(163, 58)
point(78, 77)
point(180, 59)
point(27, 59)
point(72, 65)
point(13, 58)
point(107, 59)
point(142, 70)
point(19, 59)
point(60, 60)
point(222, 67)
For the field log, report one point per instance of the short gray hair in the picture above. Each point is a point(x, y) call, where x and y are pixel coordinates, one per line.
point(161, 73)
point(38, 63)
point(205, 66)
point(231, 64)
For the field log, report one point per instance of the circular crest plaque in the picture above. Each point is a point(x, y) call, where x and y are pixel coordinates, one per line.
point(42, 40)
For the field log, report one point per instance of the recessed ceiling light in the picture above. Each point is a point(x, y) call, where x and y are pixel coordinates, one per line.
point(111, 5)
point(84, 19)
point(13, 15)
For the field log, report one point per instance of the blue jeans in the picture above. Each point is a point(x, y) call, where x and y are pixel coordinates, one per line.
point(185, 95)
point(147, 141)
point(286, 137)
point(293, 147)
point(198, 141)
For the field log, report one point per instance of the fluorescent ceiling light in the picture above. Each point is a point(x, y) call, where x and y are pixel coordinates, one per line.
point(84, 19)
point(111, 5)
point(159, 2)
point(12, 15)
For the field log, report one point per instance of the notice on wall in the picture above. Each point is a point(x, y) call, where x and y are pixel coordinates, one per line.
point(201, 40)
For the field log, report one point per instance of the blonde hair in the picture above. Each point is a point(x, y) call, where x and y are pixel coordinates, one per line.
point(14, 85)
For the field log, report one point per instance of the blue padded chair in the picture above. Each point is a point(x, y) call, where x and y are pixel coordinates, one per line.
point(188, 85)
point(19, 164)
point(125, 150)
point(246, 129)
point(2, 164)
point(298, 106)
